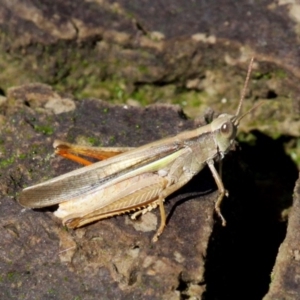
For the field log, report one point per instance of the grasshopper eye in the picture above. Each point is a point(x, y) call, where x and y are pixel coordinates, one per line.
point(227, 129)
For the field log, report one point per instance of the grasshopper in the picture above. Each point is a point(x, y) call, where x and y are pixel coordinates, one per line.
point(135, 179)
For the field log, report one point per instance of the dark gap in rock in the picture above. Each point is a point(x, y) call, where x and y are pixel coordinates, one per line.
point(260, 180)
point(182, 287)
point(271, 95)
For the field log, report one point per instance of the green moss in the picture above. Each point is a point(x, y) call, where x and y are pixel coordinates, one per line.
point(51, 291)
point(22, 156)
point(118, 92)
point(140, 96)
point(292, 148)
point(247, 138)
point(112, 90)
point(4, 163)
point(148, 94)
point(280, 74)
point(112, 139)
point(143, 69)
point(260, 75)
point(191, 101)
point(47, 130)
point(11, 276)
point(92, 141)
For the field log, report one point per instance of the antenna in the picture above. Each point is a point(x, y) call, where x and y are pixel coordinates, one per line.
point(237, 120)
point(245, 87)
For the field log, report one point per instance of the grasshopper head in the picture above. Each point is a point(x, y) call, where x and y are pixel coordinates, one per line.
point(225, 126)
point(224, 129)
